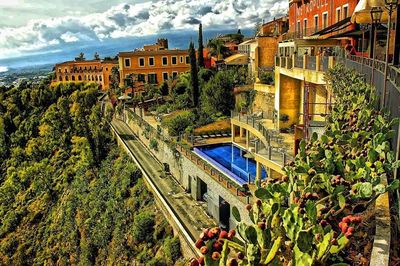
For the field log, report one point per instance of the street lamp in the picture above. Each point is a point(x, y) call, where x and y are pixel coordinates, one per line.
point(390, 5)
point(376, 15)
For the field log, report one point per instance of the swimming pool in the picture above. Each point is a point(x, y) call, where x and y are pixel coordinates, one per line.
point(230, 159)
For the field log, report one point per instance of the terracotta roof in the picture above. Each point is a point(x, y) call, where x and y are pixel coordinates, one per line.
point(158, 52)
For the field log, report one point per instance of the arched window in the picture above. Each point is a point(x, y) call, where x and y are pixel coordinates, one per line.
point(73, 77)
point(90, 68)
point(92, 78)
point(96, 78)
point(100, 78)
point(80, 68)
point(85, 68)
point(60, 78)
point(65, 70)
point(66, 78)
point(79, 77)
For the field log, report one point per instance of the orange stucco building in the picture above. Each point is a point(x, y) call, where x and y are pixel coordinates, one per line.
point(152, 64)
point(81, 70)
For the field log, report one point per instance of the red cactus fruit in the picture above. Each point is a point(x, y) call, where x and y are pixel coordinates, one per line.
point(347, 234)
point(248, 207)
point(350, 229)
point(199, 243)
point(334, 242)
point(323, 223)
point(262, 226)
point(344, 228)
point(204, 250)
point(214, 232)
point(215, 255)
point(346, 219)
point(240, 255)
point(204, 236)
point(233, 262)
point(194, 262)
point(201, 260)
point(259, 202)
point(223, 234)
point(231, 234)
point(217, 246)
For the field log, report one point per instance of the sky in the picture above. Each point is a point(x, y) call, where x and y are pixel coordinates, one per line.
point(29, 26)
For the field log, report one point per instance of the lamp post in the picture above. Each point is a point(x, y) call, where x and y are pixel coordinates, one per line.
point(376, 15)
point(390, 5)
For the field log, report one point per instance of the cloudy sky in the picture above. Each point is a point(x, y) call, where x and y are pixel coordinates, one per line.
point(30, 25)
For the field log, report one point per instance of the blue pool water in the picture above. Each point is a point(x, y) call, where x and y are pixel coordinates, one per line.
point(231, 158)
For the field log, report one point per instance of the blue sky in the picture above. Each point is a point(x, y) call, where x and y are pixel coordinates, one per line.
point(28, 26)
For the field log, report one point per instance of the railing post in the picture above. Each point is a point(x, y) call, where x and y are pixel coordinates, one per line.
point(317, 62)
point(305, 61)
point(284, 158)
point(269, 152)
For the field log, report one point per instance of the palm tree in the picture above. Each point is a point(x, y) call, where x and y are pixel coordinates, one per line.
point(218, 48)
point(96, 56)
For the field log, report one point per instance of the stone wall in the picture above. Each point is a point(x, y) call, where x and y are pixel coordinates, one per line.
point(181, 168)
point(289, 99)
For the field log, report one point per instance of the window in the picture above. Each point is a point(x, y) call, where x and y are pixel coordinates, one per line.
point(174, 60)
point(151, 61)
point(141, 61)
point(165, 76)
point(187, 60)
point(127, 62)
point(60, 78)
point(174, 74)
point(73, 77)
point(181, 61)
point(316, 22)
point(141, 77)
point(164, 60)
point(299, 26)
point(325, 20)
point(79, 77)
point(65, 70)
point(66, 78)
point(338, 14)
point(305, 26)
point(106, 68)
point(59, 70)
point(345, 11)
point(100, 78)
point(152, 78)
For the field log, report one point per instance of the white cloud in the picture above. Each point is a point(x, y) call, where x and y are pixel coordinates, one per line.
point(137, 20)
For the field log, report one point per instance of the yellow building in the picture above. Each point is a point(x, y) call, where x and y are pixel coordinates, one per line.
point(152, 64)
point(81, 70)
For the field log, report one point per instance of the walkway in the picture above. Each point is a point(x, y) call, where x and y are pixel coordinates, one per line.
point(190, 212)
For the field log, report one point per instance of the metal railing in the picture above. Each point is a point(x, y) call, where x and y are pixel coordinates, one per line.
point(279, 155)
point(311, 63)
point(299, 61)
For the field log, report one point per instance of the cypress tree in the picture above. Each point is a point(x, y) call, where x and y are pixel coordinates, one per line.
point(194, 81)
point(200, 51)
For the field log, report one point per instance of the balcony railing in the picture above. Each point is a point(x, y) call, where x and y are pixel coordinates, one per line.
point(299, 61)
point(311, 63)
point(280, 155)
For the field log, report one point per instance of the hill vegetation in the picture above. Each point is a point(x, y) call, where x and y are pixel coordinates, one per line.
point(68, 195)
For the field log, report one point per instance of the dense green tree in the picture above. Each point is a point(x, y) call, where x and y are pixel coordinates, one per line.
point(217, 94)
point(200, 50)
point(68, 195)
point(194, 80)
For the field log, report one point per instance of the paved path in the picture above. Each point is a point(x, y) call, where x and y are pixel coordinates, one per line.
point(191, 213)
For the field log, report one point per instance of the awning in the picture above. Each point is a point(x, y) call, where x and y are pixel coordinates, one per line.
point(334, 27)
point(237, 59)
point(362, 11)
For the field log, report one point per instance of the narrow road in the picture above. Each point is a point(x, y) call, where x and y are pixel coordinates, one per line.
point(190, 212)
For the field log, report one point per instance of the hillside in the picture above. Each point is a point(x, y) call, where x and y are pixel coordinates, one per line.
point(68, 195)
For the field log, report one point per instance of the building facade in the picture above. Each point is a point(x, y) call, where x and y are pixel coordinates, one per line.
point(81, 70)
point(309, 17)
point(152, 64)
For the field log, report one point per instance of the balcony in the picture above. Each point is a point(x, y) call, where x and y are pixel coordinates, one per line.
point(270, 147)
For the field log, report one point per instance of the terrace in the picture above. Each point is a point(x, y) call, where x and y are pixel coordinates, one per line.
point(270, 146)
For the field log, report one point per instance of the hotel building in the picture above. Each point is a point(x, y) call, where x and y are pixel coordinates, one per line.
point(81, 70)
point(152, 64)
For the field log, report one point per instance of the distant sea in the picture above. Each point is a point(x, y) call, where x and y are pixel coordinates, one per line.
point(46, 58)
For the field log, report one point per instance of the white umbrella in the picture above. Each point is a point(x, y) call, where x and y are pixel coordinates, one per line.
point(362, 12)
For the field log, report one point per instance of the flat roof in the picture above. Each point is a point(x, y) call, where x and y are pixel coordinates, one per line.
point(157, 52)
